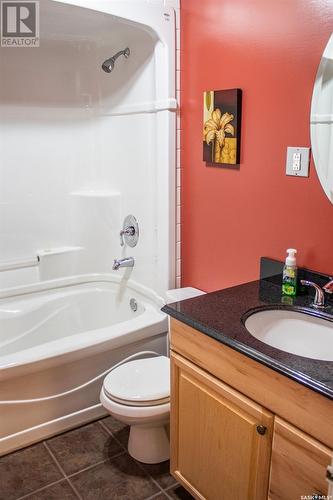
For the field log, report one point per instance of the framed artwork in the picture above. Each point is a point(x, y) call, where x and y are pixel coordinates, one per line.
point(222, 127)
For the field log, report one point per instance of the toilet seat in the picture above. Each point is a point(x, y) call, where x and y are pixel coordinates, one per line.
point(138, 403)
point(134, 414)
point(140, 383)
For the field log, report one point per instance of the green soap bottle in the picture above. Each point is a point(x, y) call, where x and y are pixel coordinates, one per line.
point(289, 276)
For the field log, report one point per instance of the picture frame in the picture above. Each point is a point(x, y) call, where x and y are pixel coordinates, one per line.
point(222, 127)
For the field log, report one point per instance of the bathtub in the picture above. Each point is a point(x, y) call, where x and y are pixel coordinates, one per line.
point(58, 340)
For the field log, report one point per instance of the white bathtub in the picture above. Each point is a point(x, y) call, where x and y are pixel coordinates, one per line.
point(56, 342)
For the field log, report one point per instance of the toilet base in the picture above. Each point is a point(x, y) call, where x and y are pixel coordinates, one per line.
point(149, 440)
point(149, 444)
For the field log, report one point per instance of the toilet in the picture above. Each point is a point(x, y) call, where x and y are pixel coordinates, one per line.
point(138, 394)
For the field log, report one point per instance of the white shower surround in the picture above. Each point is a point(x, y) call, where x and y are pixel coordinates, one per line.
point(93, 148)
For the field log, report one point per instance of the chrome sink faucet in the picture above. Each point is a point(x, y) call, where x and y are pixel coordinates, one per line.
point(126, 262)
point(319, 299)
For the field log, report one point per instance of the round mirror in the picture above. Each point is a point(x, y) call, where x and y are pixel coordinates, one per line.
point(321, 121)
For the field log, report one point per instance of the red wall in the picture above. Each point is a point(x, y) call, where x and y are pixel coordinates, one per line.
point(271, 50)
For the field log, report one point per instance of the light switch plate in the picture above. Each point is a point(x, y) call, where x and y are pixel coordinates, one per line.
point(298, 160)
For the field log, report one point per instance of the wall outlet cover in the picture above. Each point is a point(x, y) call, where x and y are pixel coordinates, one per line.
point(298, 161)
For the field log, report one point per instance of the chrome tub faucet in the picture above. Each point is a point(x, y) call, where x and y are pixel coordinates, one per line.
point(126, 262)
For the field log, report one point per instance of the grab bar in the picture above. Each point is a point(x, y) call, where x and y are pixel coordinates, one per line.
point(10, 265)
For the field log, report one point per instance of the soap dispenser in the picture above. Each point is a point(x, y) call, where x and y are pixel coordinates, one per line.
point(289, 276)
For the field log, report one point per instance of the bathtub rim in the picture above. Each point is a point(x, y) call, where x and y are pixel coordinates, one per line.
point(81, 279)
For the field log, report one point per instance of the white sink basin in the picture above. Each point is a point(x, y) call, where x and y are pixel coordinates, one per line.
point(293, 332)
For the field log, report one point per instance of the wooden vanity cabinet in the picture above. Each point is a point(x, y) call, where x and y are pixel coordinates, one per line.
point(221, 440)
point(241, 431)
point(299, 464)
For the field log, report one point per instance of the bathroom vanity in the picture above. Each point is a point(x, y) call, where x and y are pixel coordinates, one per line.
point(248, 421)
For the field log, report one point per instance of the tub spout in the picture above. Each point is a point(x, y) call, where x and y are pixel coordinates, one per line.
point(127, 262)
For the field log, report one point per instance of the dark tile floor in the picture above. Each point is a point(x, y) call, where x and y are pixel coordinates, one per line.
point(88, 463)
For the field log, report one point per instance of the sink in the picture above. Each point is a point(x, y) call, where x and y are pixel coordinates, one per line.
point(293, 332)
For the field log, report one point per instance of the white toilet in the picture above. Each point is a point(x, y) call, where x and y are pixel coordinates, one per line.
point(138, 394)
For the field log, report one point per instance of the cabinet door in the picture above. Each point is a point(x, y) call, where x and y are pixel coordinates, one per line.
point(220, 440)
point(298, 464)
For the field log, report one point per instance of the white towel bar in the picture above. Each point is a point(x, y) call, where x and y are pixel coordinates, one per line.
point(10, 265)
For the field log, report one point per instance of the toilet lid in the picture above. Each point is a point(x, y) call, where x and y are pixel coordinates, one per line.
point(140, 382)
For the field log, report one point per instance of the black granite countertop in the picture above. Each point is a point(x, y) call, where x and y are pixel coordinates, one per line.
point(220, 315)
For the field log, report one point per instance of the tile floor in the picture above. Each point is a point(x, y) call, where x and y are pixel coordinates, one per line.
point(88, 463)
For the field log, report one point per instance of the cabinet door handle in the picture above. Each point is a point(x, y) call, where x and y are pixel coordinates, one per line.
point(329, 473)
point(261, 429)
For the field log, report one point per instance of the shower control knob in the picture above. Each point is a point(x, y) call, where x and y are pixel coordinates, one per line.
point(130, 232)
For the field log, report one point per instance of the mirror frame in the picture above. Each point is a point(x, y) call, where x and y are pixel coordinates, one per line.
point(318, 120)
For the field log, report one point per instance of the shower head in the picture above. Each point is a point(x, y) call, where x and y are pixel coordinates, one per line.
point(108, 65)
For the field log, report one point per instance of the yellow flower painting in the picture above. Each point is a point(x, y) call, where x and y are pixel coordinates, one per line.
point(221, 131)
